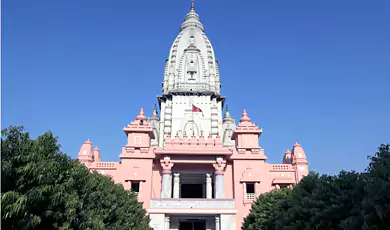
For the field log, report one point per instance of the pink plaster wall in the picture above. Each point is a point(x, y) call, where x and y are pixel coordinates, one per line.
point(156, 179)
point(229, 191)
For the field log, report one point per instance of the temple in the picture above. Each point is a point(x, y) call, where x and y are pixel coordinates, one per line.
point(192, 166)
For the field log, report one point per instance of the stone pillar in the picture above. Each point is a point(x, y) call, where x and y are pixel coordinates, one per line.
point(139, 195)
point(219, 177)
point(166, 184)
point(176, 185)
point(174, 223)
point(217, 223)
point(219, 184)
point(204, 190)
point(166, 188)
point(209, 188)
point(209, 224)
point(166, 223)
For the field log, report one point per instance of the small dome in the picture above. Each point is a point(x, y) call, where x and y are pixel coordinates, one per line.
point(297, 152)
point(245, 117)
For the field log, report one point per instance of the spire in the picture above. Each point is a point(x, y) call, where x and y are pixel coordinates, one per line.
point(154, 114)
point(155, 110)
point(86, 152)
point(96, 154)
point(192, 19)
point(141, 115)
point(298, 154)
point(287, 157)
point(245, 117)
point(227, 116)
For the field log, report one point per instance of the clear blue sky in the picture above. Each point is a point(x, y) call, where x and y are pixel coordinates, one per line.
point(317, 72)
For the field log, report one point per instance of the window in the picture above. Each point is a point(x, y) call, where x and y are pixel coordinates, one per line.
point(137, 140)
point(250, 191)
point(284, 186)
point(135, 186)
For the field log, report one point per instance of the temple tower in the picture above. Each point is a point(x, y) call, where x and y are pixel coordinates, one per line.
point(191, 104)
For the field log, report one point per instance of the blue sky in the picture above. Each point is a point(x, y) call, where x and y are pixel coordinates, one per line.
point(316, 72)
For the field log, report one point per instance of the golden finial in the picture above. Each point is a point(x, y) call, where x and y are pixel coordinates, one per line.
point(192, 4)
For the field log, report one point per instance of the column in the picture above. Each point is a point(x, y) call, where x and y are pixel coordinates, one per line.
point(166, 184)
point(244, 190)
point(209, 188)
point(219, 184)
point(219, 177)
point(203, 190)
point(217, 224)
point(174, 223)
point(166, 223)
point(209, 224)
point(176, 185)
point(139, 195)
point(166, 188)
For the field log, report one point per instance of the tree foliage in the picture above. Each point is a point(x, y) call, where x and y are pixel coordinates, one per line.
point(349, 200)
point(266, 207)
point(42, 188)
point(376, 204)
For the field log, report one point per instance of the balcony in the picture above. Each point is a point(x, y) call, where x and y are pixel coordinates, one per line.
point(192, 203)
point(250, 196)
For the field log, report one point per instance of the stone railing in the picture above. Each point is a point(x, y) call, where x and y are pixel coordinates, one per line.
point(192, 203)
point(281, 167)
point(106, 165)
point(193, 141)
point(250, 196)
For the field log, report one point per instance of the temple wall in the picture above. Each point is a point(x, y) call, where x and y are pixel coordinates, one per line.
point(156, 179)
point(228, 182)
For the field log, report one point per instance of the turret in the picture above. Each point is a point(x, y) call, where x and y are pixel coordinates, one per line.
point(247, 136)
point(96, 155)
point(287, 159)
point(139, 133)
point(228, 129)
point(85, 155)
point(299, 161)
point(154, 122)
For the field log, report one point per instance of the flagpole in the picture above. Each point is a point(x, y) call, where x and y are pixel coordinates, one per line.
point(193, 121)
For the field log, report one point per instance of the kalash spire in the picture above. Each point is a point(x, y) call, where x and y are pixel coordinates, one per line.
point(191, 65)
point(192, 19)
point(191, 103)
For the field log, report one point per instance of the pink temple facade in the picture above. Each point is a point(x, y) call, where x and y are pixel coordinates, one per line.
point(192, 167)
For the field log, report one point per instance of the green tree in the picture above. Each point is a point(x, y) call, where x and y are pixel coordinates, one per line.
point(266, 208)
point(325, 202)
point(42, 188)
point(347, 201)
point(376, 203)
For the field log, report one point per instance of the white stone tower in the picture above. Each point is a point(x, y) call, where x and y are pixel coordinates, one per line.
point(191, 104)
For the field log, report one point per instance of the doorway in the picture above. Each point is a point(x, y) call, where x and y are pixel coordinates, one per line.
point(192, 225)
point(192, 191)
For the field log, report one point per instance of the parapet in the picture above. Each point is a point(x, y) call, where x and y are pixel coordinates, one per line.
point(193, 141)
point(193, 145)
